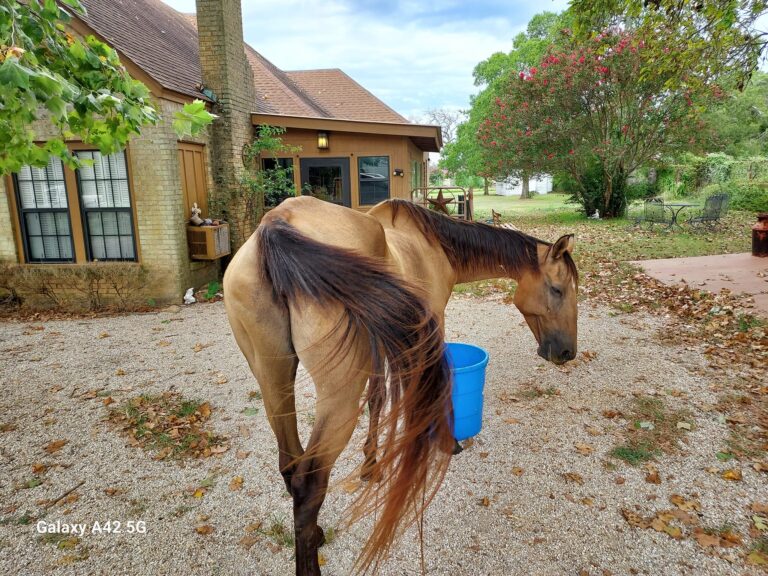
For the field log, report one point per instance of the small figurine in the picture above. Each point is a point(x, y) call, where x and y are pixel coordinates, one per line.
point(195, 219)
point(596, 215)
point(189, 297)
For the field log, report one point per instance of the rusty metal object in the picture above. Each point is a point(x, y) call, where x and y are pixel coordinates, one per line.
point(760, 236)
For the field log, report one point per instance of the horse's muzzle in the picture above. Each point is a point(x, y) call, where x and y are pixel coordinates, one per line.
point(556, 351)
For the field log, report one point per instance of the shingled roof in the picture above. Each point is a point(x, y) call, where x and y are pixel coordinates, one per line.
point(163, 43)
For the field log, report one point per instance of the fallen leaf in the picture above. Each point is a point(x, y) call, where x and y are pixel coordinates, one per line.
point(732, 474)
point(164, 343)
point(108, 400)
point(253, 527)
point(592, 431)
point(111, 491)
point(683, 504)
point(674, 532)
point(39, 468)
point(205, 529)
point(757, 558)
point(199, 493)
point(55, 446)
point(761, 522)
point(351, 486)
point(321, 561)
point(483, 455)
point(512, 421)
point(653, 477)
point(219, 449)
point(634, 519)
point(611, 414)
point(683, 426)
point(119, 372)
point(706, 540)
point(584, 449)
point(104, 335)
point(485, 501)
point(236, 484)
point(199, 346)
point(573, 477)
point(205, 410)
point(759, 508)
point(242, 454)
point(619, 480)
point(248, 541)
point(517, 471)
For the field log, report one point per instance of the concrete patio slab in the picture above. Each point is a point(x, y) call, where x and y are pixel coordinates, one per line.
point(740, 273)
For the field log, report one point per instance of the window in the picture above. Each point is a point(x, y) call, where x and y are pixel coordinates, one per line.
point(44, 214)
point(416, 174)
point(373, 173)
point(106, 206)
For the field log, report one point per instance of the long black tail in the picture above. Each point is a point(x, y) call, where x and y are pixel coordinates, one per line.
point(415, 436)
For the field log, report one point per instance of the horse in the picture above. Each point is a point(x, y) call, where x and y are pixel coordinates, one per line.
point(359, 298)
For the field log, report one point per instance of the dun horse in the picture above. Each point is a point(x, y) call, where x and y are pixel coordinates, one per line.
point(360, 298)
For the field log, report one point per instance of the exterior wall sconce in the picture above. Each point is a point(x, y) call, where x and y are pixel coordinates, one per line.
point(322, 140)
point(398, 172)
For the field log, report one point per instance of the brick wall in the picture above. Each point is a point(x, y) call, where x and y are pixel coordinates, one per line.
point(226, 71)
point(7, 240)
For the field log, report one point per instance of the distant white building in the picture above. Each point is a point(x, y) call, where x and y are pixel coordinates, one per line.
point(540, 185)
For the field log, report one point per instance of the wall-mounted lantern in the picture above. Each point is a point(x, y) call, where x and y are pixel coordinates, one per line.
point(322, 140)
point(398, 172)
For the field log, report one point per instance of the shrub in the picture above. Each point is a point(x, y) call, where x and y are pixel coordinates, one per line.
point(90, 286)
point(746, 195)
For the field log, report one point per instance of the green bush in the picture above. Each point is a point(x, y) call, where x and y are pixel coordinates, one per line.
point(746, 195)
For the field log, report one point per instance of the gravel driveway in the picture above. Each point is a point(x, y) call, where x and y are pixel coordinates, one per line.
point(505, 507)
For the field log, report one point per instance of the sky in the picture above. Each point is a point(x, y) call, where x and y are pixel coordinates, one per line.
point(415, 55)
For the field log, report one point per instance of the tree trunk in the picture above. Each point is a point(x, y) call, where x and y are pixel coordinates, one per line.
point(607, 195)
point(485, 186)
point(526, 193)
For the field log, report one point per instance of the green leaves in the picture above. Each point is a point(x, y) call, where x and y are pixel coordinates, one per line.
point(14, 74)
point(192, 119)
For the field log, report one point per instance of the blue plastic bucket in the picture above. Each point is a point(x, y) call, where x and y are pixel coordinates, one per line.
point(467, 364)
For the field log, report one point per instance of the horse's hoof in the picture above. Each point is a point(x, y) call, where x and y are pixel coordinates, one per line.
point(457, 449)
point(320, 536)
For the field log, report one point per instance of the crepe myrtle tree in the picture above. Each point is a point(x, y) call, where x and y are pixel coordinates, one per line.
point(585, 111)
point(78, 82)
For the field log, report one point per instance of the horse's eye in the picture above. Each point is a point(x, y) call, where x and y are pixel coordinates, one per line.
point(556, 291)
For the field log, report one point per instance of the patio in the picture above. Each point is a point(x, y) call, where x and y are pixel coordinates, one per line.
point(739, 273)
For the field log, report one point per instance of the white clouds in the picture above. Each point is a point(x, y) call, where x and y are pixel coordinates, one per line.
point(413, 55)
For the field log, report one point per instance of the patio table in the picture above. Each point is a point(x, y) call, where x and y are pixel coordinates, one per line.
point(675, 209)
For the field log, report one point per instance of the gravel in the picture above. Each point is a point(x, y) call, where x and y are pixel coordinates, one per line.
point(535, 521)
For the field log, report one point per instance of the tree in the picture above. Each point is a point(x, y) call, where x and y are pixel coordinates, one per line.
point(588, 112)
point(739, 126)
point(466, 154)
point(712, 39)
point(447, 119)
point(79, 83)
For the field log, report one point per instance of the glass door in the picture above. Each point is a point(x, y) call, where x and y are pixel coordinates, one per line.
point(326, 179)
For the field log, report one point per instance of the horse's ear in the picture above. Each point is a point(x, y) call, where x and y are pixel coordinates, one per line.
point(563, 245)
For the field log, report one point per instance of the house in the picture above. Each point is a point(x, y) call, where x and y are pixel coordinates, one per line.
point(541, 184)
point(131, 209)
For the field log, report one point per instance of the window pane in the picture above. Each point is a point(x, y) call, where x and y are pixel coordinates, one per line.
point(94, 224)
point(120, 194)
point(98, 251)
point(51, 247)
point(109, 222)
point(65, 247)
point(36, 251)
point(88, 194)
point(373, 179)
point(33, 224)
point(124, 223)
point(42, 198)
point(26, 193)
point(48, 224)
point(113, 246)
point(62, 223)
point(126, 245)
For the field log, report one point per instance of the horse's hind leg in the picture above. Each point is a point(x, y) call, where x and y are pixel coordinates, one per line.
point(262, 331)
point(375, 404)
point(339, 379)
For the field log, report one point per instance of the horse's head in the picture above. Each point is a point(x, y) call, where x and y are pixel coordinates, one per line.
point(547, 299)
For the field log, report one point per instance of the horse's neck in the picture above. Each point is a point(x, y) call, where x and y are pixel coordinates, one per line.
point(496, 266)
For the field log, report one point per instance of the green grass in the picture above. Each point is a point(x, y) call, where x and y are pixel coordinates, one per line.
point(633, 455)
point(513, 206)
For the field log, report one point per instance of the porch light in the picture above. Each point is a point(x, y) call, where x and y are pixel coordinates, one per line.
point(322, 140)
